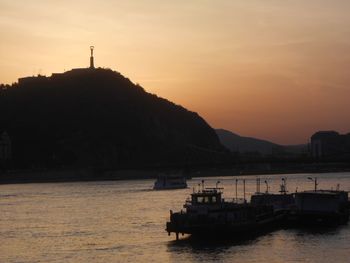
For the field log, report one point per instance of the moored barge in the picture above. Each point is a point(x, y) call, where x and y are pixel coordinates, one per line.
point(320, 207)
point(208, 213)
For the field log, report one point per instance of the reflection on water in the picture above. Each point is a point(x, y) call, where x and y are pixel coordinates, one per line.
point(125, 222)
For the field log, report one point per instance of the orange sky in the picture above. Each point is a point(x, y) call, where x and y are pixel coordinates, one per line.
point(272, 69)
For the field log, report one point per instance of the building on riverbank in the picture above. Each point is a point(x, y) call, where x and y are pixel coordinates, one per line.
point(330, 144)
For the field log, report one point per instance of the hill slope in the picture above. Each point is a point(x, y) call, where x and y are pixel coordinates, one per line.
point(97, 117)
point(237, 143)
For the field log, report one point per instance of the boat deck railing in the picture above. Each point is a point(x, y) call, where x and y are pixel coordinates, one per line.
point(224, 200)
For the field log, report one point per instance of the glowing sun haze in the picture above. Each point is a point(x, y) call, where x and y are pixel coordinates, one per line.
point(272, 69)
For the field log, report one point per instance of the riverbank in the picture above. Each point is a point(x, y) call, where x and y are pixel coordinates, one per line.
point(86, 174)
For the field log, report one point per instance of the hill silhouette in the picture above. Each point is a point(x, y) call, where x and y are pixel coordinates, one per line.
point(241, 144)
point(99, 118)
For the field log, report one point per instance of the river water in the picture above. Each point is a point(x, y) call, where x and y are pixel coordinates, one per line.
point(124, 221)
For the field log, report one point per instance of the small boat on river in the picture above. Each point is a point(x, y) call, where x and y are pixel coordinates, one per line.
point(166, 182)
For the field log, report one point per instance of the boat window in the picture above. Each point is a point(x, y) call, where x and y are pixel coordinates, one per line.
point(213, 199)
point(200, 199)
point(206, 199)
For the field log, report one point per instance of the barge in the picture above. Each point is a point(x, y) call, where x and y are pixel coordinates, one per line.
point(320, 207)
point(208, 213)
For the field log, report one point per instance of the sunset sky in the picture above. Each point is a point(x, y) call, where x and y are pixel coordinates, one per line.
point(272, 69)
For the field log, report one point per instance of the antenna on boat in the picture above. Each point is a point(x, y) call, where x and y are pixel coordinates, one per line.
point(244, 190)
point(267, 187)
point(236, 189)
point(284, 186)
point(315, 181)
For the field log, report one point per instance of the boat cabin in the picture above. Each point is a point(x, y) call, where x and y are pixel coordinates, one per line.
point(278, 201)
point(207, 196)
point(321, 200)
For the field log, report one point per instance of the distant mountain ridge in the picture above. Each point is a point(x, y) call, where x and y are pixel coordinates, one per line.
point(241, 144)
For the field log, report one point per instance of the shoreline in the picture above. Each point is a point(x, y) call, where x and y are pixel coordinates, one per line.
point(88, 175)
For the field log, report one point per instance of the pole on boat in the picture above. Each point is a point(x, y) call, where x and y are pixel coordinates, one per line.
point(315, 181)
point(244, 190)
point(236, 190)
point(284, 186)
point(267, 186)
point(202, 185)
point(217, 183)
point(316, 184)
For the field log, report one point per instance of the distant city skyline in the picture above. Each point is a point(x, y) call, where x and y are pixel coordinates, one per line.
point(274, 70)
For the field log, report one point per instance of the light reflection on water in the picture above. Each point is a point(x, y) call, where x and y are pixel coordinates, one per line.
point(124, 221)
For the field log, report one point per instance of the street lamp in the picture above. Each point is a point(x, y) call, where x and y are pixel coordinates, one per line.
point(315, 181)
point(267, 186)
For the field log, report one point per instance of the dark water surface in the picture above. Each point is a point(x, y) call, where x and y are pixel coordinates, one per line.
point(124, 221)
